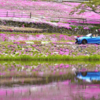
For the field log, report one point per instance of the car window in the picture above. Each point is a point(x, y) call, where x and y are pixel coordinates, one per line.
point(94, 35)
point(98, 34)
point(88, 35)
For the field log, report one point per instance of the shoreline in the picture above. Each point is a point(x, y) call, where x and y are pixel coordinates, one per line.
point(49, 58)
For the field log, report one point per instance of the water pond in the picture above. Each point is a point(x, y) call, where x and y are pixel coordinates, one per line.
point(49, 80)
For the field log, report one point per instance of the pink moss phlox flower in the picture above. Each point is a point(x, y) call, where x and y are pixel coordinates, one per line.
point(67, 66)
point(57, 66)
point(47, 54)
point(16, 42)
point(96, 70)
point(52, 53)
point(12, 34)
point(69, 43)
point(22, 81)
point(37, 35)
point(11, 38)
point(61, 52)
point(61, 65)
point(54, 35)
point(66, 53)
point(83, 69)
point(54, 72)
point(34, 70)
point(66, 82)
point(41, 36)
point(61, 49)
point(3, 35)
point(2, 73)
point(31, 38)
point(21, 38)
point(10, 30)
point(23, 25)
point(41, 73)
point(61, 73)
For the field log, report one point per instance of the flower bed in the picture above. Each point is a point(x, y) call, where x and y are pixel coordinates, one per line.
point(41, 10)
point(45, 47)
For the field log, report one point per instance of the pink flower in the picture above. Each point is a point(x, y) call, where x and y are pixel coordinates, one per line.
point(67, 66)
point(23, 25)
point(41, 73)
point(61, 73)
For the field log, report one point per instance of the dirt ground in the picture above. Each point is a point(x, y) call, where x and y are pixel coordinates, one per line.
point(19, 29)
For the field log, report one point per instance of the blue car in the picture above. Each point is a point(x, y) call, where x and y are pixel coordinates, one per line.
point(89, 38)
point(88, 76)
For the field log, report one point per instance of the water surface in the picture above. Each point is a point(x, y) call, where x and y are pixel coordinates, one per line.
point(47, 81)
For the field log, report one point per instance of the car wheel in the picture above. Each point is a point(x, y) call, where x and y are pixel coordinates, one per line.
point(84, 42)
point(84, 73)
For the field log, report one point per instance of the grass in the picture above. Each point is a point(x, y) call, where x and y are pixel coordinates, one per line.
point(19, 28)
point(65, 41)
point(9, 62)
point(55, 21)
point(50, 58)
point(34, 33)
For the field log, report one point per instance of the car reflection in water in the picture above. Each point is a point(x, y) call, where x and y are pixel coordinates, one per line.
point(88, 76)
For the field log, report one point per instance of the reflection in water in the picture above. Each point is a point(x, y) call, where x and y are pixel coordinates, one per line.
point(53, 91)
point(88, 76)
point(47, 81)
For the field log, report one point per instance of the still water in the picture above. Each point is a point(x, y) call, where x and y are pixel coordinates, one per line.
point(49, 81)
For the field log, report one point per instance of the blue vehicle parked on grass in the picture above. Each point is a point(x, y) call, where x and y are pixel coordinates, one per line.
point(89, 38)
point(88, 76)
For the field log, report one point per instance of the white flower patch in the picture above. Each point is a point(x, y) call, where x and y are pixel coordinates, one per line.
point(44, 42)
point(12, 55)
point(28, 70)
point(4, 63)
point(23, 49)
point(87, 55)
point(23, 67)
point(55, 53)
point(29, 42)
point(74, 47)
point(75, 37)
point(44, 55)
point(30, 49)
point(57, 45)
point(53, 39)
point(35, 66)
point(35, 50)
point(6, 54)
point(16, 52)
point(34, 89)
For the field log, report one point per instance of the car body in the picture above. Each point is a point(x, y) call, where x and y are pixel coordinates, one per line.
point(89, 38)
point(88, 76)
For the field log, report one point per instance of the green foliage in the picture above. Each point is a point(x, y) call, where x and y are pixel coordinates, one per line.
point(94, 28)
point(90, 5)
point(73, 26)
point(80, 27)
point(55, 21)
